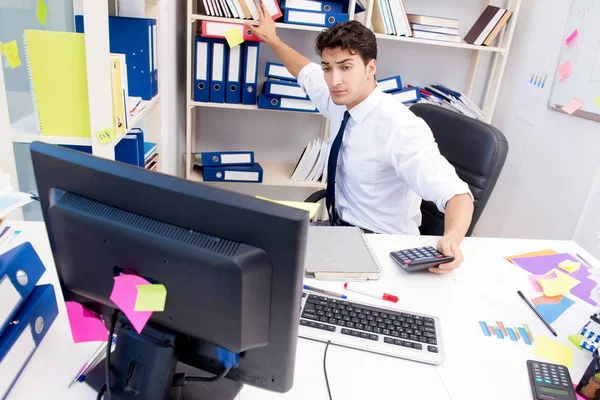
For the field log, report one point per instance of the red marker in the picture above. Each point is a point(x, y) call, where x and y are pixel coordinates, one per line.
point(378, 294)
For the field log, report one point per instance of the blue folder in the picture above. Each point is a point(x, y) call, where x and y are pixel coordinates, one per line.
point(202, 69)
point(130, 149)
point(218, 50)
point(213, 159)
point(245, 173)
point(250, 74)
point(20, 270)
point(321, 6)
point(408, 95)
point(312, 18)
point(284, 89)
point(281, 103)
point(278, 71)
point(132, 37)
point(391, 84)
point(35, 317)
point(233, 89)
point(154, 59)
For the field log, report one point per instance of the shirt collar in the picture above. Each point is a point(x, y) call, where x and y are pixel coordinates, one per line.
point(361, 110)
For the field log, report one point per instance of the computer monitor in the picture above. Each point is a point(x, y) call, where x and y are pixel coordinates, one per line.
point(232, 266)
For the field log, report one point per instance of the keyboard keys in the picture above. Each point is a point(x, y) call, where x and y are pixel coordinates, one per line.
point(432, 349)
point(373, 337)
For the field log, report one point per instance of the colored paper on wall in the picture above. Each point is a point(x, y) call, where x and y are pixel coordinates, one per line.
point(11, 51)
point(564, 70)
point(85, 325)
point(42, 12)
point(554, 351)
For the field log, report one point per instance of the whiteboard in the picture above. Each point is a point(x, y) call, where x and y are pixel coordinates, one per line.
point(584, 54)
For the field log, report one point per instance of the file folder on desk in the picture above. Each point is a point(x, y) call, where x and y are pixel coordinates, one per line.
point(246, 173)
point(21, 339)
point(311, 5)
point(390, 84)
point(233, 89)
point(311, 18)
point(278, 71)
point(281, 103)
point(201, 69)
point(20, 271)
point(250, 75)
point(213, 159)
point(134, 38)
point(285, 89)
point(217, 71)
point(216, 30)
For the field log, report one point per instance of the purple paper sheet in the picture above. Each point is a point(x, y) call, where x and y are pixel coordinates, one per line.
point(542, 264)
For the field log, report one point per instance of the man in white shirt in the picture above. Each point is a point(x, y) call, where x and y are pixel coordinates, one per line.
point(383, 159)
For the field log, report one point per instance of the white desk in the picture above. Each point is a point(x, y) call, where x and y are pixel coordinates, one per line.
point(483, 288)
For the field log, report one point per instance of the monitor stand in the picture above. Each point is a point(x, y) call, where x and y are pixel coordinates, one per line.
point(143, 367)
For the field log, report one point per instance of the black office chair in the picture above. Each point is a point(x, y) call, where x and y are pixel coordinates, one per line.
point(476, 149)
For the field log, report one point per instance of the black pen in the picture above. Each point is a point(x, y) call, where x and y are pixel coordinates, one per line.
point(537, 312)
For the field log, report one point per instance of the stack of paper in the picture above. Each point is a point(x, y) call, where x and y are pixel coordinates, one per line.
point(10, 199)
point(312, 165)
point(442, 96)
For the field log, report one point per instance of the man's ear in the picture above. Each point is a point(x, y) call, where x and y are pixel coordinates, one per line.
point(372, 68)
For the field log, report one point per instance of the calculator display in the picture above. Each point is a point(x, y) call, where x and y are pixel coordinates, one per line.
point(546, 389)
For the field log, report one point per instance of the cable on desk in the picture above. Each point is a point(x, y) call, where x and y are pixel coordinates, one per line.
point(210, 379)
point(106, 386)
point(101, 392)
point(325, 369)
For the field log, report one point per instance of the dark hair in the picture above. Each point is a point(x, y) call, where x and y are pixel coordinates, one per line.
point(351, 35)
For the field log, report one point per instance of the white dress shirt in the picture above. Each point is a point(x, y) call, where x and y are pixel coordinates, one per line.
point(388, 161)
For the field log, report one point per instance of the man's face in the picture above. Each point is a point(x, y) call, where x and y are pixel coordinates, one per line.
point(350, 81)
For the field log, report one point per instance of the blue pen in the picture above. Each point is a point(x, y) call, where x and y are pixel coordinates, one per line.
point(323, 291)
point(92, 362)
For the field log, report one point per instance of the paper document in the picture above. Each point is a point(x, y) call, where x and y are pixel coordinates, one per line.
point(553, 351)
point(312, 208)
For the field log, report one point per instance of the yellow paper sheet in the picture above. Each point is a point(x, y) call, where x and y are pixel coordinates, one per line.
point(105, 136)
point(554, 351)
point(560, 285)
point(532, 254)
point(42, 12)
point(151, 298)
point(569, 265)
point(312, 208)
point(234, 37)
point(11, 51)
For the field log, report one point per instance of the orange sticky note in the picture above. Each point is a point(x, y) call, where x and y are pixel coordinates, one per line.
point(564, 70)
point(574, 105)
point(234, 37)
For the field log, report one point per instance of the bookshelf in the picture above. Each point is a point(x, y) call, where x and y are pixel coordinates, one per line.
point(247, 107)
point(486, 75)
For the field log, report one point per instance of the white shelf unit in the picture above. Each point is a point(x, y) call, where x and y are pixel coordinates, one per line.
point(247, 107)
point(493, 78)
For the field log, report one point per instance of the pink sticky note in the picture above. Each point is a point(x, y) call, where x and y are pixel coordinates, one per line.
point(534, 280)
point(564, 70)
point(124, 295)
point(573, 106)
point(572, 36)
point(85, 325)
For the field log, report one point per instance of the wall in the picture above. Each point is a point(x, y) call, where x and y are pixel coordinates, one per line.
point(551, 165)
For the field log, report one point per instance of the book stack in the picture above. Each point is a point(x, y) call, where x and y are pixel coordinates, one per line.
point(150, 156)
point(390, 18)
point(488, 26)
point(315, 13)
point(445, 97)
point(434, 28)
point(229, 166)
point(28, 310)
point(393, 86)
point(281, 91)
point(312, 165)
point(241, 9)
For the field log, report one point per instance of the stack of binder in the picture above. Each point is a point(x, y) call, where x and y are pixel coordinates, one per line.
point(281, 91)
point(229, 166)
point(26, 313)
point(313, 13)
point(224, 74)
point(393, 86)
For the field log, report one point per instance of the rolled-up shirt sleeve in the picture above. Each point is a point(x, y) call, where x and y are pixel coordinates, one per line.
point(417, 159)
point(311, 79)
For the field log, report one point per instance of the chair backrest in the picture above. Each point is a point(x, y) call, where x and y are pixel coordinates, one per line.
point(477, 151)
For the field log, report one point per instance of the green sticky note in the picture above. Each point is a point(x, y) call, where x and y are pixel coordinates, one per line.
point(598, 101)
point(576, 340)
point(11, 51)
point(151, 298)
point(105, 136)
point(42, 12)
point(234, 37)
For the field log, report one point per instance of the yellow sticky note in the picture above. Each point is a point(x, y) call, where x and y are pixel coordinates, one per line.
point(560, 285)
point(553, 351)
point(569, 266)
point(11, 51)
point(234, 37)
point(151, 298)
point(598, 101)
point(105, 136)
point(2, 52)
point(312, 208)
point(42, 12)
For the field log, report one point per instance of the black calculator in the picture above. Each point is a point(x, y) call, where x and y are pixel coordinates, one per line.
point(419, 258)
point(550, 381)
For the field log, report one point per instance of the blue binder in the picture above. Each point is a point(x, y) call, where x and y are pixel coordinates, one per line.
point(310, 5)
point(132, 37)
point(154, 59)
point(233, 89)
point(278, 71)
point(408, 95)
point(250, 74)
point(312, 18)
point(246, 173)
point(284, 89)
point(281, 103)
point(217, 70)
point(20, 271)
point(35, 317)
point(130, 149)
point(201, 69)
point(389, 85)
point(212, 159)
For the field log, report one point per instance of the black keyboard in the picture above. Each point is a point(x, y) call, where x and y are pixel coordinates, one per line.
point(371, 328)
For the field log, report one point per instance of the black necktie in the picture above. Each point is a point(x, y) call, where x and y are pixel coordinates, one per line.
point(331, 170)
